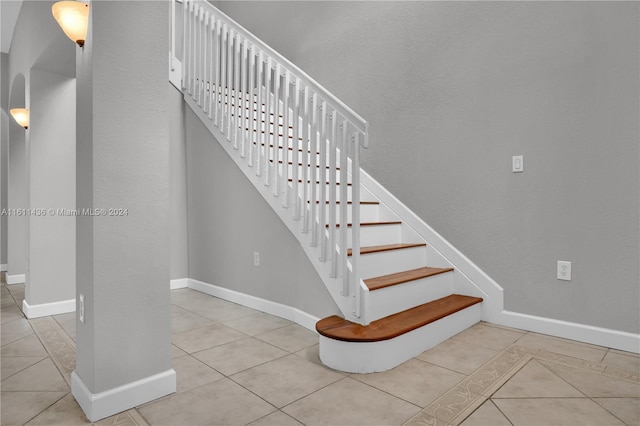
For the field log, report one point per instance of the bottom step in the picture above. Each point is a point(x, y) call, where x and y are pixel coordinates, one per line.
point(392, 340)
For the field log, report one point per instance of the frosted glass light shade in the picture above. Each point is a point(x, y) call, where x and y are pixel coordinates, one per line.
point(21, 115)
point(73, 18)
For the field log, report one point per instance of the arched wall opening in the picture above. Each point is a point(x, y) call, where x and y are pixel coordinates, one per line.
point(52, 181)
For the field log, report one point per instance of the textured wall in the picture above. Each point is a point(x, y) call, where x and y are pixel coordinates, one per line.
point(123, 162)
point(453, 89)
point(52, 185)
point(178, 167)
point(229, 220)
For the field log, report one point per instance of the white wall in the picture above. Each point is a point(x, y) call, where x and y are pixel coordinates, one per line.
point(454, 89)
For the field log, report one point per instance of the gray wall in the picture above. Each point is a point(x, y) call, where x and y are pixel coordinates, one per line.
point(229, 220)
point(4, 151)
point(123, 162)
point(179, 266)
point(454, 89)
point(52, 185)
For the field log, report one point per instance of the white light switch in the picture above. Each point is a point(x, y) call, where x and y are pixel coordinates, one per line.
point(517, 163)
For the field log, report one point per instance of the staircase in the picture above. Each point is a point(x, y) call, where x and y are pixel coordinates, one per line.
point(299, 146)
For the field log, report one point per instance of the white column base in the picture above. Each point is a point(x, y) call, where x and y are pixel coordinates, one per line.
point(179, 283)
point(97, 406)
point(46, 309)
point(15, 279)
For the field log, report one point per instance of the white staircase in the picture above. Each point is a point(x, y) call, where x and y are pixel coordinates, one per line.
point(299, 146)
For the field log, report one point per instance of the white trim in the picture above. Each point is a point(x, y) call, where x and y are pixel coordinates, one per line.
point(97, 406)
point(3, 267)
point(371, 357)
point(46, 309)
point(570, 330)
point(15, 279)
point(302, 318)
point(179, 283)
point(492, 293)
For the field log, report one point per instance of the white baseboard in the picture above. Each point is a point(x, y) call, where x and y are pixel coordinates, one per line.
point(104, 404)
point(304, 319)
point(15, 279)
point(570, 330)
point(179, 283)
point(46, 309)
point(3, 267)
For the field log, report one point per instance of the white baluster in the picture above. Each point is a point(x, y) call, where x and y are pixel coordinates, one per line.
point(313, 159)
point(268, 144)
point(252, 116)
point(218, 89)
point(186, 37)
point(244, 109)
point(355, 220)
point(286, 123)
point(322, 144)
point(332, 194)
point(278, 144)
point(260, 135)
point(229, 105)
point(306, 159)
point(344, 149)
point(236, 90)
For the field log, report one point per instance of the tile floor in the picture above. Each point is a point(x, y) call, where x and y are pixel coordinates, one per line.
point(238, 366)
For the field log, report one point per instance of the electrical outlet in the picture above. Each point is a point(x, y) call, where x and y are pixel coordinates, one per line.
point(81, 313)
point(564, 270)
point(517, 164)
point(256, 258)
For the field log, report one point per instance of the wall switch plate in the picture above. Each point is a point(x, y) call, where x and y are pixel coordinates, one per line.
point(517, 164)
point(256, 258)
point(564, 270)
point(81, 310)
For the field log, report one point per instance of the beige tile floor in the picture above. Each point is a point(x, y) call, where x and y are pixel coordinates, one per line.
point(238, 366)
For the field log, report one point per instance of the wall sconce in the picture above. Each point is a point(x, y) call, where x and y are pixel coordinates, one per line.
point(21, 115)
point(73, 18)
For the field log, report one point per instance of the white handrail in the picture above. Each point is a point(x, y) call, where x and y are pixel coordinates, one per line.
point(301, 139)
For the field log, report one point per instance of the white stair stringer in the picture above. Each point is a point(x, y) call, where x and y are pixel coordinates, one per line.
point(371, 357)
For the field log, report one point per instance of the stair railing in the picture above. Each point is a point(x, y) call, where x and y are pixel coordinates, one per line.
point(274, 114)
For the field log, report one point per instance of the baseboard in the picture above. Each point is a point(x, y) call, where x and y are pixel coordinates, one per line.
point(570, 330)
point(492, 292)
point(304, 319)
point(97, 406)
point(179, 283)
point(15, 279)
point(46, 309)
point(3, 267)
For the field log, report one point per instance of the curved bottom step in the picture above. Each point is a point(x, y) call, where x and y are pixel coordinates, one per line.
point(390, 341)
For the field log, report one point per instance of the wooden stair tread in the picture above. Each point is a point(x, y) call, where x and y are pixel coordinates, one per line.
point(394, 325)
point(403, 277)
point(369, 224)
point(348, 202)
point(386, 247)
point(317, 182)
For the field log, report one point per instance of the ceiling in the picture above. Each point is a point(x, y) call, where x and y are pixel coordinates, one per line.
point(9, 10)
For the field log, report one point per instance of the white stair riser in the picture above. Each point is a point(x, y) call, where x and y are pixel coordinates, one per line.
point(373, 357)
point(392, 261)
point(391, 300)
point(376, 235)
point(368, 212)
